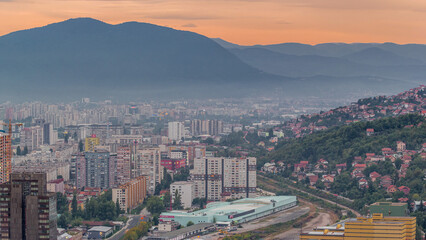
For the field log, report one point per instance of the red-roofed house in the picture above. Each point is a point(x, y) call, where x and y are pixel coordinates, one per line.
point(387, 151)
point(392, 189)
point(370, 131)
point(313, 179)
point(404, 189)
point(363, 183)
point(386, 181)
point(374, 176)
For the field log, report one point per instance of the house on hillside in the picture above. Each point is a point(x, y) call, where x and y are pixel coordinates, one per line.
point(400, 146)
point(392, 189)
point(404, 189)
point(370, 131)
point(374, 176)
point(363, 183)
point(340, 167)
point(386, 181)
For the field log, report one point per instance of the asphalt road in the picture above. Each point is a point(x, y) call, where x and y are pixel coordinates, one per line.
point(133, 221)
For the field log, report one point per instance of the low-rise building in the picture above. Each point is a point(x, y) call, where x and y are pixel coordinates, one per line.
point(238, 211)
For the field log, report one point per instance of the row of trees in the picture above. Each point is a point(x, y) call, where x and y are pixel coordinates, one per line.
point(100, 208)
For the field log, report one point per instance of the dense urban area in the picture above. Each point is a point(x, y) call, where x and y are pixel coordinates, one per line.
point(263, 168)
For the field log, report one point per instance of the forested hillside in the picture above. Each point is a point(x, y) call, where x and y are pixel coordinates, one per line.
point(342, 144)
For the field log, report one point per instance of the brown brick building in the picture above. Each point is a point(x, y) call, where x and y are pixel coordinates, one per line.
point(27, 210)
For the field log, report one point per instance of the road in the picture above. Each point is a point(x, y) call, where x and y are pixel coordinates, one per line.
point(280, 217)
point(133, 221)
point(322, 219)
point(297, 189)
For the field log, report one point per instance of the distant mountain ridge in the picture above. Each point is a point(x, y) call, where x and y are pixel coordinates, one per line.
point(406, 63)
point(86, 57)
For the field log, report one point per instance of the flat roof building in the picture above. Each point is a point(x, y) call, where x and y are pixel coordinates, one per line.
point(238, 211)
point(375, 227)
point(389, 209)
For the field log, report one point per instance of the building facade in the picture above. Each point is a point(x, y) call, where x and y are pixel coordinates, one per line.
point(148, 164)
point(176, 131)
point(5, 157)
point(98, 169)
point(216, 178)
point(28, 211)
point(123, 165)
point(130, 194)
point(91, 143)
point(185, 190)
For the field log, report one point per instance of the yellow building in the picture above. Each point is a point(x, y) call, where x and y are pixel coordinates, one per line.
point(90, 143)
point(376, 227)
point(130, 194)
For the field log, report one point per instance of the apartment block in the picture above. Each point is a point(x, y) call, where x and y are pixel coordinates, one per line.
point(28, 211)
point(148, 164)
point(5, 157)
point(217, 178)
point(123, 165)
point(130, 194)
point(91, 143)
point(185, 190)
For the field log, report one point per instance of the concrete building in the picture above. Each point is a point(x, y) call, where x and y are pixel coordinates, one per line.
point(78, 170)
point(56, 186)
point(176, 131)
point(90, 143)
point(28, 211)
point(185, 190)
point(5, 157)
point(376, 227)
point(98, 169)
point(206, 127)
point(49, 137)
point(217, 178)
point(123, 165)
point(238, 211)
point(131, 194)
point(32, 138)
point(148, 164)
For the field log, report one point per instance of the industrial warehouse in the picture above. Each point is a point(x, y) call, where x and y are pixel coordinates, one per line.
point(238, 211)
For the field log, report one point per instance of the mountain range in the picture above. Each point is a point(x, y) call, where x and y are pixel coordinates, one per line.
point(86, 57)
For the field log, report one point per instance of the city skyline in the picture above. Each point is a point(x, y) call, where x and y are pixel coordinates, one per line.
point(245, 22)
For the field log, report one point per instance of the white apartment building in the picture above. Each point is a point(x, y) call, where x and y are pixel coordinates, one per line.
point(148, 164)
point(185, 190)
point(176, 131)
point(217, 178)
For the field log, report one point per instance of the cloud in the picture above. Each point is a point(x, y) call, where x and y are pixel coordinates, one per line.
point(189, 25)
point(180, 16)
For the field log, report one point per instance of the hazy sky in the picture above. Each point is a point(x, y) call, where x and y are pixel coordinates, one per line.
point(241, 21)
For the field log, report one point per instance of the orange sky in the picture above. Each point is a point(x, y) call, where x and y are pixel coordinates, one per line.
point(241, 21)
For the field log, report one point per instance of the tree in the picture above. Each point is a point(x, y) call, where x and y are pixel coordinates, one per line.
point(117, 207)
point(190, 223)
point(25, 152)
point(74, 206)
point(80, 146)
point(155, 205)
point(398, 163)
point(166, 200)
point(177, 203)
point(61, 203)
point(18, 151)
